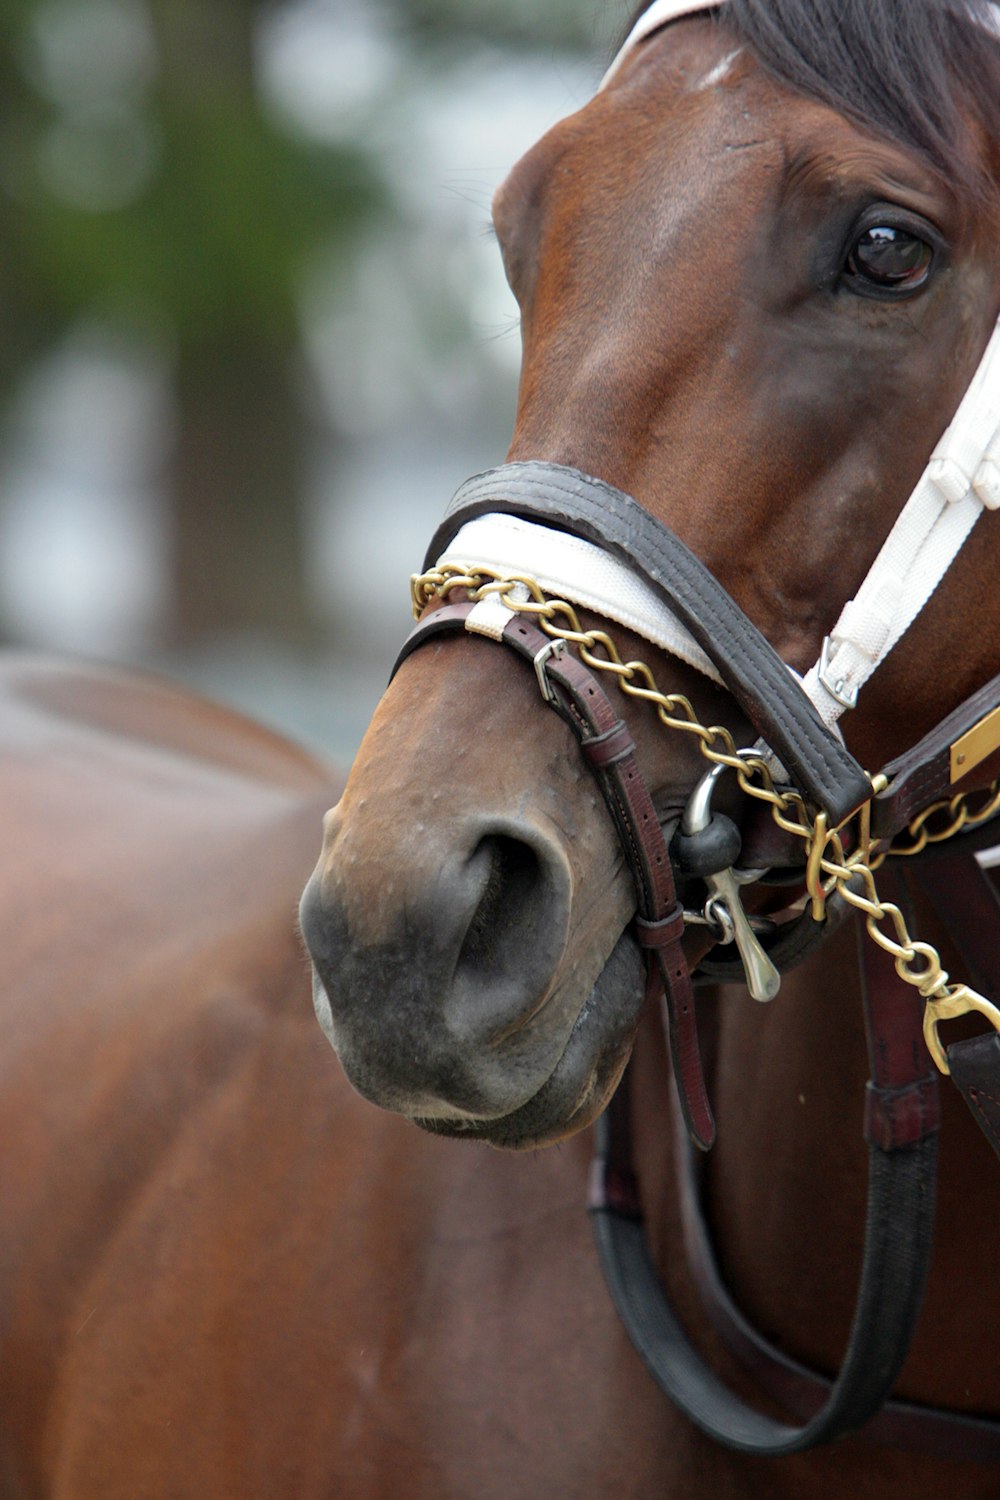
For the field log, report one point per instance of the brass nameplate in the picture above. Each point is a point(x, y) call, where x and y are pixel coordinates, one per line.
point(973, 748)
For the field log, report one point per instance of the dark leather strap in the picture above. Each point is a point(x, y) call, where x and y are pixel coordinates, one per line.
point(899, 1424)
point(923, 774)
point(966, 901)
point(975, 1070)
point(757, 678)
point(609, 750)
point(901, 1109)
point(902, 1119)
point(902, 1123)
point(897, 1237)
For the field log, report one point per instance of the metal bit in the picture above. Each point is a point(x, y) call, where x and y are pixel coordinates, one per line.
point(763, 979)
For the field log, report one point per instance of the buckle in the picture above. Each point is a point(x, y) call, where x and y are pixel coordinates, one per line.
point(540, 660)
point(845, 693)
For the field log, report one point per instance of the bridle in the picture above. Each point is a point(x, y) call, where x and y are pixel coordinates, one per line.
point(859, 818)
point(519, 547)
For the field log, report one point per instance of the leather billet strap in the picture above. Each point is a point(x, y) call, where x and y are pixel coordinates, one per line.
point(820, 767)
point(924, 773)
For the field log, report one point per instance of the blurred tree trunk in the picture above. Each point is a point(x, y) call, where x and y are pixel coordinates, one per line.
point(235, 487)
point(234, 490)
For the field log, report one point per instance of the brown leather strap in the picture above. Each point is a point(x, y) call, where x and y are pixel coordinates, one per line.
point(923, 774)
point(610, 751)
point(902, 1098)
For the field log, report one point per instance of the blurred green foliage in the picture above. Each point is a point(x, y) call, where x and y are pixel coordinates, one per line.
point(147, 187)
point(566, 25)
point(223, 207)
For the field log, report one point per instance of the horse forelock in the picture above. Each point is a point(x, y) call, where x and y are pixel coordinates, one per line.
point(918, 71)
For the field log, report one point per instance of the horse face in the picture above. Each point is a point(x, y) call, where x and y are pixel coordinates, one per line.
point(706, 324)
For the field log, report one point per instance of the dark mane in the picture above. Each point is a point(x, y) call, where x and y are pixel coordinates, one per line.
point(914, 70)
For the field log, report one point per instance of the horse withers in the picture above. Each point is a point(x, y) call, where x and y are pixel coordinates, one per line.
point(757, 274)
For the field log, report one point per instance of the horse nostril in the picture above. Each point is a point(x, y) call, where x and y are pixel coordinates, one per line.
point(510, 908)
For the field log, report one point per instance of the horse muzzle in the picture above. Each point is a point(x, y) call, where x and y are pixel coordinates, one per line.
point(451, 947)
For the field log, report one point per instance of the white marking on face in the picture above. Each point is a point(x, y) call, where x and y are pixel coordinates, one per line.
point(719, 72)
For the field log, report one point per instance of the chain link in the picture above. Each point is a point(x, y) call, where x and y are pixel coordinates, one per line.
point(830, 866)
point(942, 820)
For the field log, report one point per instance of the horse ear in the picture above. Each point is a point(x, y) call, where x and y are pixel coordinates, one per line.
point(651, 19)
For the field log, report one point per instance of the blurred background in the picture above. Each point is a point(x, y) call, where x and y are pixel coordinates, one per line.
point(254, 329)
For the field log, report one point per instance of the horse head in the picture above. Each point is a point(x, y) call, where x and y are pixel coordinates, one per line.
point(752, 299)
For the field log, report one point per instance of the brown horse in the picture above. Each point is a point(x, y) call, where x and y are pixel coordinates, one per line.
point(225, 1274)
point(707, 325)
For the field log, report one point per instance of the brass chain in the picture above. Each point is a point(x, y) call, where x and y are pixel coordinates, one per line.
point(830, 866)
point(942, 820)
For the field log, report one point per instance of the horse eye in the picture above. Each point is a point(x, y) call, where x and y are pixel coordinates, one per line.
point(891, 259)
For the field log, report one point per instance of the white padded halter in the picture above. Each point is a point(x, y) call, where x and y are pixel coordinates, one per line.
point(567, 567)
point(659, 14)
point(961, 480)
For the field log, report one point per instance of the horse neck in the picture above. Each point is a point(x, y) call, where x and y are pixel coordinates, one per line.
point(785, 1187)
